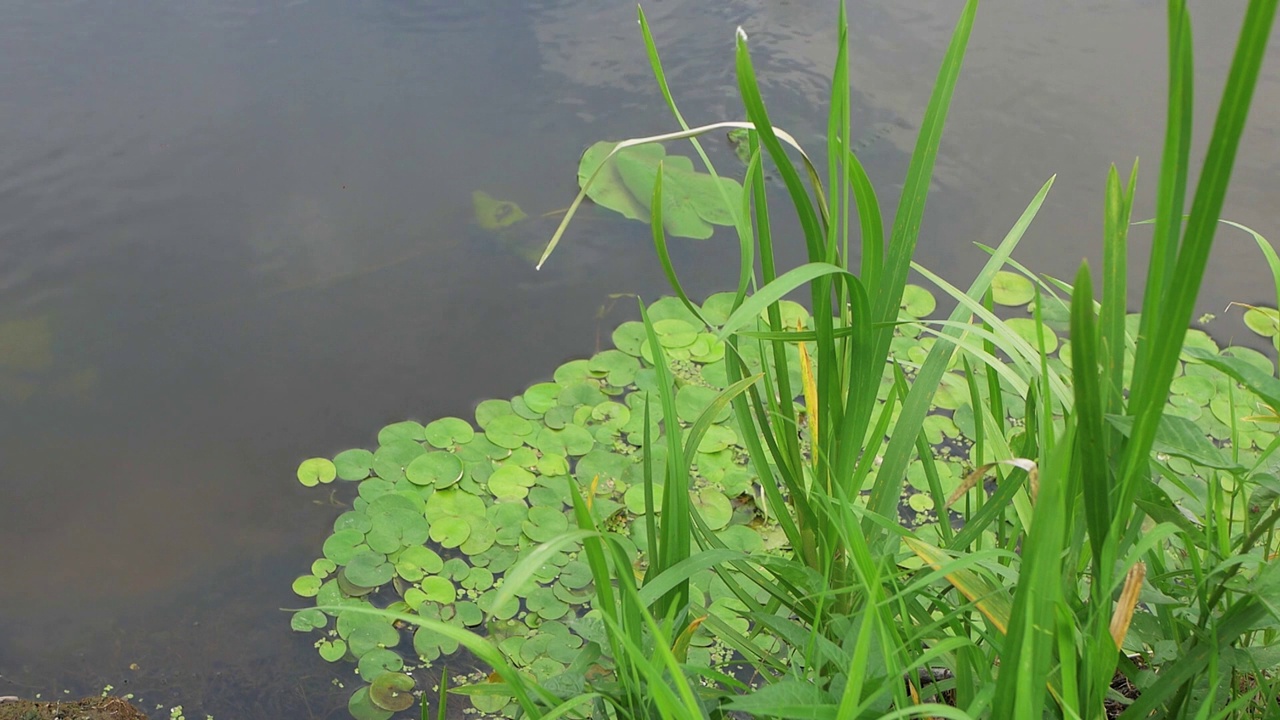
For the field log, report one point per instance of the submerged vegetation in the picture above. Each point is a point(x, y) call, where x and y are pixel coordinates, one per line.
point(1036, 505)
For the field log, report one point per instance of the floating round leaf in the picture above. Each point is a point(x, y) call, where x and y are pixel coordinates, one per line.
point(352, 520)
point(448, 431)
point(307, 586)
point(439, 469)
point(341, 546)
point(510, 482)
point(714, 507)
point(544, 523)
point(1263, 320)
point(717, 438)
point(450, 532)
point(469, 613)
point(582, 392)
point(362, 708)
point(308, 620)
point(508, 431)
point(332, 650)
point(717, 308)
point(541, 397)
point(1026, 329)
point(488, 410)
point(692, 401)
point(628, 337)
point(370, 636)
point(482, 537)
point(552, 465)
point(452, 502)
point(741, 537)
point(617, 367)
point(368, 569)
point(479, 579)
point(920, 502)
point(373, 487)
point(675, 333)
point(634, 498)
point(438, 589)
point(502, 612)
point(391, 458)
point(392, 691)
point(611, 414)
point(315, 471)
point(544, 602)
point(379, 661)
point(572, 371)
point(322, 567)
point(404, 430)
point(1009, 288)
point(353, 464)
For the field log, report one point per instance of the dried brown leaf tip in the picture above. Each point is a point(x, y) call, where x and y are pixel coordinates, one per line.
point(1128, 601)
point(972, 479)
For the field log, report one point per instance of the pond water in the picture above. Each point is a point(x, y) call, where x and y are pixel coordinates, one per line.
point(235, 234)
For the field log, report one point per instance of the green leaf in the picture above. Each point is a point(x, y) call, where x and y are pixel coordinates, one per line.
point(691, 200)
point(787, 699)
point(315, 471)
point(494, 214)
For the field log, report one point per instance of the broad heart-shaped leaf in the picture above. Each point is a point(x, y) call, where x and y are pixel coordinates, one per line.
point(1261, 383)
point(691, 200)
point(1182, 438)
point(787, 699)
point(494, 214)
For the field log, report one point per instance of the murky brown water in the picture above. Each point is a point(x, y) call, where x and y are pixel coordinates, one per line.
point(236, 234)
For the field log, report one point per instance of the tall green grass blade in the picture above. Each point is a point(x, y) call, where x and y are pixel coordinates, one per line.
point(1111, 328)
point(1171, 191)
point(1179, 302)
point(675, 529)
point(1090, 434)
point(1028, 648)
point(892, 473)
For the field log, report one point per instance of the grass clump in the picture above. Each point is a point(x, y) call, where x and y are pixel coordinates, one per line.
point(1092, 496)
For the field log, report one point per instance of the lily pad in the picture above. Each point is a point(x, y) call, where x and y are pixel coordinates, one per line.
point(1264, 321)
point(379, 662)
point(392, 691)
point(307, 586)
point(917, 302)
point(315, 471)
point(715, 508)
point(440, 590)
point(1009, 288)
point(362, 708)
point(353, 464)
point(628, 337)
point(404, 430)
point(545, 523)
point(541, 397)
point(307, 620)
point(369, 569)
point(450, 532)
point(448, 431)
point(332, 650)
point(439, 469)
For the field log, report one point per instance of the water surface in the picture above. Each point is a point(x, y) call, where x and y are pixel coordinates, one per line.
point(237, 234)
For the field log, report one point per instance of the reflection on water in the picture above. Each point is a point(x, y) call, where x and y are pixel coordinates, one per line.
point(238, 233)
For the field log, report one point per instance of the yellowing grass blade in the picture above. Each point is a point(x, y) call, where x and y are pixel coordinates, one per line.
point(992, 601)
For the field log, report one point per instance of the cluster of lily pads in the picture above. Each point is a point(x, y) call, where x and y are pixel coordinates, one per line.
point(440, 511)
